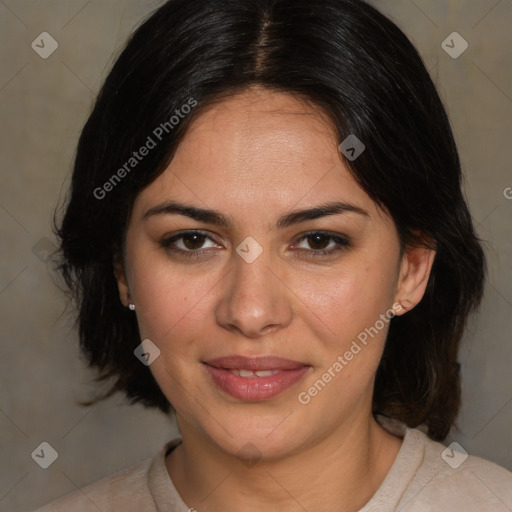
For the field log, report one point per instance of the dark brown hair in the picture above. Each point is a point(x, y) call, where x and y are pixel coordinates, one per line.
point(347, 58)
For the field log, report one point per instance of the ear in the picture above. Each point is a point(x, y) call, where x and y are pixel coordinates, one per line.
point(122, 282)
point(415, 268)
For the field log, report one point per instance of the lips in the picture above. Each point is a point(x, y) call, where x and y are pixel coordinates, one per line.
point(254, 378)
point(254, 363)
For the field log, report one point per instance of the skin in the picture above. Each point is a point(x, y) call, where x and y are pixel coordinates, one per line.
point(255, 157)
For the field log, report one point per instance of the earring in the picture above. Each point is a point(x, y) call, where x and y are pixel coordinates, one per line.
point(131, 306)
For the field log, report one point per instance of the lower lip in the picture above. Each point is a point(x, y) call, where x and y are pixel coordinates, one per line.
point(255, 389)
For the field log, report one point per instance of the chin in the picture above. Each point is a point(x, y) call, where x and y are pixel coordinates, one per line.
point(256, 437)
point(250, 450)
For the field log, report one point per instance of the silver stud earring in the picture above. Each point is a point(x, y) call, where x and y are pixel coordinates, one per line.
point(131, 306)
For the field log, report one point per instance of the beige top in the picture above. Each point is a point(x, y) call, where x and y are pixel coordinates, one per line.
point(421, 479)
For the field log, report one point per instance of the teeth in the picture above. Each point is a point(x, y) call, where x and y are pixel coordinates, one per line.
point(266, 373)
point(250, 373)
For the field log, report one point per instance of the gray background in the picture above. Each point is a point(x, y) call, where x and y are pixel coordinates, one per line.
point(43, 104)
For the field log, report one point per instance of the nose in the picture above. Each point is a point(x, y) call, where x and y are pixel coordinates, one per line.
point(255, 301)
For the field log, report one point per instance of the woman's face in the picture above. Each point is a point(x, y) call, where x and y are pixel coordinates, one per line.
point(254, 282)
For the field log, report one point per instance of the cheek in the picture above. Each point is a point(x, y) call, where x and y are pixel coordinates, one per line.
point(348, 300)
point(169, 304)
point(172, 311)
point(171, 299)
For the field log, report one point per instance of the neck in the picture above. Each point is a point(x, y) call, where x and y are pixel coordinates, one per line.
point(340, 472)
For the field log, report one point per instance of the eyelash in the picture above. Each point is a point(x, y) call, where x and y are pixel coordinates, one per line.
point(342, 243)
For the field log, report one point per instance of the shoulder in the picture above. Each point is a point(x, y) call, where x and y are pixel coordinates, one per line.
point(429, 476)
point(127, 487)
point(127, 490)
point(450, 479)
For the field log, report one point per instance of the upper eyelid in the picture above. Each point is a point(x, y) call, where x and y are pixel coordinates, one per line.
point(181, 234)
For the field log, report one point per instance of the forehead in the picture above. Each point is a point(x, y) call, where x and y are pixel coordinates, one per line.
point(262, 150)
point(259, 121)
point(257, 103)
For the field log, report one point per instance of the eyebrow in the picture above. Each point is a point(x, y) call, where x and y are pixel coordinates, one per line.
point(219, 219)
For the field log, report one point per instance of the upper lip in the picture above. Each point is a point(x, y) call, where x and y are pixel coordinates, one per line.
point(254, 363)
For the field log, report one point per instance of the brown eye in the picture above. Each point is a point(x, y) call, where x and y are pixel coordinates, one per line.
point(318, 241)
point(193, 241)
point(322, 244)
point(190, 244)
